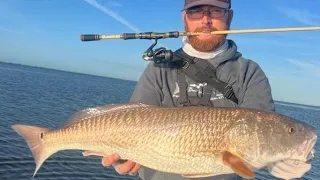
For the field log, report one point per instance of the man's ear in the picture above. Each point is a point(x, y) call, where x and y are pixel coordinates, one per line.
point(230, 17)
point(183, 15)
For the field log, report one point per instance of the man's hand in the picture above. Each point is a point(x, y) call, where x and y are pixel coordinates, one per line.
point(128, 167)
point(289, 169)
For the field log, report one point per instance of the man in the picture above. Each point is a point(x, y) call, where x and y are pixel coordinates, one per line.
point(161, 85)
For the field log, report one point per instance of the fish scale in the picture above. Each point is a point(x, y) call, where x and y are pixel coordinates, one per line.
point(191, 141)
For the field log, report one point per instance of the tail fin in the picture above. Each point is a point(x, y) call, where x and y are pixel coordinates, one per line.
point(33, 136)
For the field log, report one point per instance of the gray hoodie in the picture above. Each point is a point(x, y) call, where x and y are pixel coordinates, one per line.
point(158, 86)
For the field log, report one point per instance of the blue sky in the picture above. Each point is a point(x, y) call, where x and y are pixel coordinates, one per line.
point(47, 34)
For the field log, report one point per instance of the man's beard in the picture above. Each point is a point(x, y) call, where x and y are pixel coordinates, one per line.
point(207, 45)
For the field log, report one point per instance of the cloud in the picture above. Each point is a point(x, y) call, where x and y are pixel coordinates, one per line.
point(301, 15)
point(117, 17)
point(114, 3)
point(311, 67)
point(112, 14)
point(6, 29)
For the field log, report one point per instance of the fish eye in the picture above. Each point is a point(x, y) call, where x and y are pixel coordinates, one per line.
point(291, 130)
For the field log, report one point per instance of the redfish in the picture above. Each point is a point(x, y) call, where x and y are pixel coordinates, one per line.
point(192, 141)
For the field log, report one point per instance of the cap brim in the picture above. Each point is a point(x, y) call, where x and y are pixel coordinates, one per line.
point(208, 2)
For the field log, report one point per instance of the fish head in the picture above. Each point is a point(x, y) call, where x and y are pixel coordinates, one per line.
point(271, 137)
point(288, 138)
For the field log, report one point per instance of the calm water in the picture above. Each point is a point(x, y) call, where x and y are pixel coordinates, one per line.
point(46, 98)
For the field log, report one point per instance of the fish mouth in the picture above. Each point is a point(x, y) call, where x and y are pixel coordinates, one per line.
point(306, 150)
point(311, 149)
point(311, 156)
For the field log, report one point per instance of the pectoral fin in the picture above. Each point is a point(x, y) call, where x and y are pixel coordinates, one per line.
point(236, 164)
point(197, 175)
point(92, 153)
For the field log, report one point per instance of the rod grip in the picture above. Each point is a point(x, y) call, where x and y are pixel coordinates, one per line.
point(90, 37)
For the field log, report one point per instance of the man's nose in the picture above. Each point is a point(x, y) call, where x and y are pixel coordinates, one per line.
point(206, 19)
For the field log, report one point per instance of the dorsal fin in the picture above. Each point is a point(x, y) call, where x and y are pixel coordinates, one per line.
point(99, 110)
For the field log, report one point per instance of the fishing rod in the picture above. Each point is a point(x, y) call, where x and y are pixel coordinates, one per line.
point(176, 34)
point(161, 54)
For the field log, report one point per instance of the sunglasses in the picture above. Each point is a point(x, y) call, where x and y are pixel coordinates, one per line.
point(212, 12)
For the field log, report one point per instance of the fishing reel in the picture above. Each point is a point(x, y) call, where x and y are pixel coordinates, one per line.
point(159, 55)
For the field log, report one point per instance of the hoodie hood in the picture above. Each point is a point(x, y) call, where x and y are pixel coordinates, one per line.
point(224, 53)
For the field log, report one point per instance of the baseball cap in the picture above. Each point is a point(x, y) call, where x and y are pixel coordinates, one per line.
point(192, 3)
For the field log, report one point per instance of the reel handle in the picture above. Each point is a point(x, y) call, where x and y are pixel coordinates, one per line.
point(90, 37)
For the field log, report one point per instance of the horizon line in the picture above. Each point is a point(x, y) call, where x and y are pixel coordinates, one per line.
point(103, 76)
